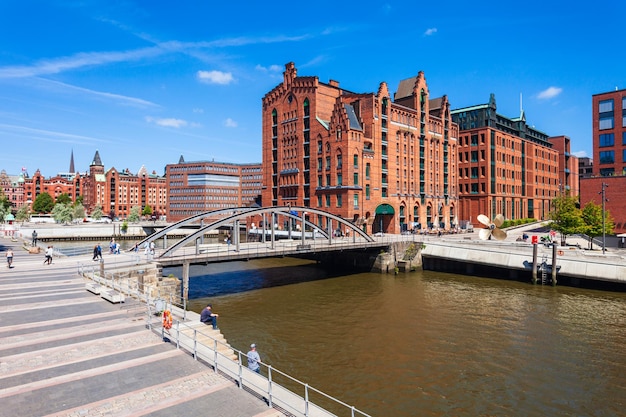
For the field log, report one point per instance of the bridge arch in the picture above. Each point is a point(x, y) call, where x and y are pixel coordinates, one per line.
point(233, 215)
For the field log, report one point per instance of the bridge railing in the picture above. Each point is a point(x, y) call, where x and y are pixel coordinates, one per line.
point(277, 388)
point(217, 252)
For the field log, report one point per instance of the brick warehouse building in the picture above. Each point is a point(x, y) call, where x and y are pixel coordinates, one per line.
point(505, 166)
point(609, 156)
point(54, 186)
point(119, 191)
point(386, 165)
point(200, 186)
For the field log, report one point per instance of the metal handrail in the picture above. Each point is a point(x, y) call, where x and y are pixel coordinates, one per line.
point(265, 386)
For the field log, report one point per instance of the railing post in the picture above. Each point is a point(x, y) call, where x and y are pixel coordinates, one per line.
point(177, 334)
point(215, 354)
point(306, 400)
point(195, 344)
point(269, 385)
point(240, 370)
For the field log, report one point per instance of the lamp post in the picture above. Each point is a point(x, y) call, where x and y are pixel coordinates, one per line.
point(603, 192)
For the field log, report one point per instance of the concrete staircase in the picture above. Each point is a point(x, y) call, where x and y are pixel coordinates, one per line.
point(207, 336)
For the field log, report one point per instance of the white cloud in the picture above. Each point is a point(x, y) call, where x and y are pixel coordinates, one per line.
point(549, 93)
point(230, 123)
point(580, 154)
point(430, 31)
point(215, 77)
point(271, 68)
point(170, 122)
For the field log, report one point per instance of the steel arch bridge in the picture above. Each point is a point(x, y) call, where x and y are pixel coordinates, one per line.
point(232, 216)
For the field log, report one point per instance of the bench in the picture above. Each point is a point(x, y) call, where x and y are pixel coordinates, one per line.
point(93, 288)
point(112, 296)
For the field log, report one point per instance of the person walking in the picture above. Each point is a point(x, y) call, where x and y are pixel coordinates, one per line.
point(10, 258)
point(207, 316)
point(254, 359)
point(34, 242)
point(49, 253)
point(95, 253)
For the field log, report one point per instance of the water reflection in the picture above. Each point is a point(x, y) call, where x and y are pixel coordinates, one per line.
point(428, 343)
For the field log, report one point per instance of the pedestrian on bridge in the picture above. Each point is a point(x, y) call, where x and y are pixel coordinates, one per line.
point(254, 359)
point(207, 316)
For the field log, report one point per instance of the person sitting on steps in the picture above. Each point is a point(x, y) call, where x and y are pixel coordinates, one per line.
point(209, 317)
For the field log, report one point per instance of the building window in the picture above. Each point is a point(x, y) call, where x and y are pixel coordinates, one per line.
point(624, 138)
point(328, 201)
point(319, 146)
point(607, 139)
point(367, 190)
point(339, 162)
point(356, 178)
point(607, 157)
point(606, 122)
point(339, 200)
point(367, 166)
point(355, 200)
point(328, 180)
point(339, 179)
point(319, 201)
point(605, 106)
point(607, 172)
point(356, 160)
point(605, 109)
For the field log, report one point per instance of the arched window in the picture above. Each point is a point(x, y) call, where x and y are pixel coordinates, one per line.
point(306, 107)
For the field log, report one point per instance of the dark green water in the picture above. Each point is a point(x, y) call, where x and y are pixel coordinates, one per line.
point(426, 343)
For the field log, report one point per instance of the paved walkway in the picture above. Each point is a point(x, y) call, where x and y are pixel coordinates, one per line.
point(67, 352)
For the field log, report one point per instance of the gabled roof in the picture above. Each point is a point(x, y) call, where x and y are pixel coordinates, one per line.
point(352, 118)
point(405, 89)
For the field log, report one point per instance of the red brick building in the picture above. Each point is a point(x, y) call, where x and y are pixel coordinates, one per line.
point(200, 186)
point(387, 165)
point(119, 191)
point(609, 156)
point(568, 165)
point(54, 186)
point(13, 188)
point(505, 166)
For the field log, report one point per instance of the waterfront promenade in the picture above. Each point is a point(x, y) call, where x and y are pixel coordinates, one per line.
point(67, 352)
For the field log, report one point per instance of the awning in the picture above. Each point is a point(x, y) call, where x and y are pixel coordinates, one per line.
point(385, 209)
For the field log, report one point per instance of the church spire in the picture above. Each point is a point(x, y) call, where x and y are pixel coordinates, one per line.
point(72, 171)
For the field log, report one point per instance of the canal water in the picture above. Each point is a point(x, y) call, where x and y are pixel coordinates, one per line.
point(426, 343)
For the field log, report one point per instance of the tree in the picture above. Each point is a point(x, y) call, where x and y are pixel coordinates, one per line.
point(133, 216)
point(23, 213)
point(96, 213)
point(566, 217)
point(3, 212)
point(62, 213)
point(43, 203)
point(78, 211)
point(79, 200)
point(147, 210)
point(64, 199)
point(594, 224)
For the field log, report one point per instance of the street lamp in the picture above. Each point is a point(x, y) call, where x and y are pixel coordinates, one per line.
point(603, 192)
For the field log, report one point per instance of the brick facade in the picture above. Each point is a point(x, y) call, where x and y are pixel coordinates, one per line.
point(505, 166)
point(200, 186)
point(385, 165)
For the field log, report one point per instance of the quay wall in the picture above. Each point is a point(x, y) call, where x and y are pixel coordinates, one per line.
point(573, 263)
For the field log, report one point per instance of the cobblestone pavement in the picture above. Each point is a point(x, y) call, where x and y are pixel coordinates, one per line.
point(67, 352)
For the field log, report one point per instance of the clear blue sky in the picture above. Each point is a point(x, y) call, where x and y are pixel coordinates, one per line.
point(146, 81)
